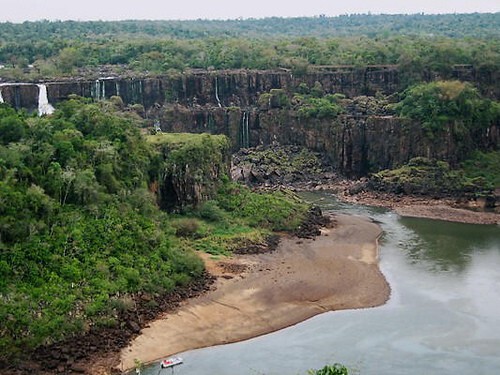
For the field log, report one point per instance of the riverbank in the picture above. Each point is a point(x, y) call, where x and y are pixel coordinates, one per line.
point(261, 293)
point(423, 207)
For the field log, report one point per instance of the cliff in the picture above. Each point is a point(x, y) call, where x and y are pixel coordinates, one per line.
point(227, 102)
point(354, 144)
point(189, 168)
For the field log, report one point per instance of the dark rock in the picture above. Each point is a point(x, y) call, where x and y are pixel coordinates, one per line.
point(78, 368)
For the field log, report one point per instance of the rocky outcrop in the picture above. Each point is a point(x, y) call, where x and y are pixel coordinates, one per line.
point(189, 169)
point(20, 95)
point(240, 88)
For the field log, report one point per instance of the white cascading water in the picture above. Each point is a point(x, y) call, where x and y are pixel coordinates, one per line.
point(97, 90)
point(217, 92)
point(1, 97)
point(103, 90)
point(245, 139)
point(44, 107)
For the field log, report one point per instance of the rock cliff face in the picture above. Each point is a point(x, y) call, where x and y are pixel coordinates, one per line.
point(355, 145)
point(227, 102)
point(189, 169)
point(224, 88)
point(236, 87)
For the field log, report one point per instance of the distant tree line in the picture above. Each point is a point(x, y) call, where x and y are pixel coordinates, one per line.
point(414, 42)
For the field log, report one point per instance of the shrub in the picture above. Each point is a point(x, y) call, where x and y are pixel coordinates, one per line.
point(335, 369)
point(186, 227)
point(211, 211)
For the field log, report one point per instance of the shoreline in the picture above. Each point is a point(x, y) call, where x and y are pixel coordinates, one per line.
point(337, 270)
point(445, 209)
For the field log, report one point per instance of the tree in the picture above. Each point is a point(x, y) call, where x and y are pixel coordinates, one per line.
point(441, 103)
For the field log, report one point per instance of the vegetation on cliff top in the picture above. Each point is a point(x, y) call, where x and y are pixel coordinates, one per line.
point(419, 44)
point(441, 103)
point(81, 233)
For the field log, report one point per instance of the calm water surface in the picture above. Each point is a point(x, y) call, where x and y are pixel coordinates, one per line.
point(443, 316)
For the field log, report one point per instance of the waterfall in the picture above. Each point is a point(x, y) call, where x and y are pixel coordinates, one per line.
point(98, 90)
point(245, 139)
point(1, 97)
point(136, 90)
point(117, 87)
point(94, 90)
point(103, 89)
point(217, 92)
point(44, 107)
point(247, 132)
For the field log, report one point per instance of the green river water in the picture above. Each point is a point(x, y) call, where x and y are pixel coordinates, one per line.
point(443, 316)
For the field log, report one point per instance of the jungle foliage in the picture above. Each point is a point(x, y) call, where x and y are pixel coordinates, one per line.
point(438, 104)
point(81, 232)
point(335, 369)
point(419, 44)
point(484, 166)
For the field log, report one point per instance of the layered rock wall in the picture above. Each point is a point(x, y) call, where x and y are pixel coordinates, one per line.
point(355, 145)
point(200, 87)
point(227, 102)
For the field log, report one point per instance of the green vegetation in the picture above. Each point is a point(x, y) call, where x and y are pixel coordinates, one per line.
point(309, 106)
point(189, 167)
point(427, 177)
point(485, 167)
point(80, 228)
point(277, 210)
point(442, 103)
point(335, 369)
point(421, 45)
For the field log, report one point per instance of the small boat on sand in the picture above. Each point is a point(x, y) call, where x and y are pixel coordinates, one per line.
point(170, 362)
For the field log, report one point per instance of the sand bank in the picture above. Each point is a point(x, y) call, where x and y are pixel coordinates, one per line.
point(259, 294)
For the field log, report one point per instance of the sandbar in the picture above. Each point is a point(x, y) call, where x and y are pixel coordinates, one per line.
point(262, 293)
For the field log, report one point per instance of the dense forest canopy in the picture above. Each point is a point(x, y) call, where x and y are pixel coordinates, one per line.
point(477, 25)
point(413, 41)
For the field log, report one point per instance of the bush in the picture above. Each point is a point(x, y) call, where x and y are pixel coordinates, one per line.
point(186, 227)
point(335, 369)
point(212, 212)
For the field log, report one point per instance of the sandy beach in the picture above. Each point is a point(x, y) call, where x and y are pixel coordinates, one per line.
point(263, 293)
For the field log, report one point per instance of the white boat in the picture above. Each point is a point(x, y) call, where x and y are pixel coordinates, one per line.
point(170, 362)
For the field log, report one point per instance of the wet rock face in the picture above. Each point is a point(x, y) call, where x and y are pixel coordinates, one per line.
point(364, 139)
point(200, 87)
point(240, 88)
point(354, 144)
point(20, 95)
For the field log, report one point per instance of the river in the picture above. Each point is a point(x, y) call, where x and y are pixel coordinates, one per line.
point(443, 316)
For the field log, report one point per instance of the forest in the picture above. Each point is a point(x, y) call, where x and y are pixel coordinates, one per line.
point(86, 222)
point(36, 50)
point(81, 232)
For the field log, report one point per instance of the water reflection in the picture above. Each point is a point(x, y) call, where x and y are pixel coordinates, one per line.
point(447, 246)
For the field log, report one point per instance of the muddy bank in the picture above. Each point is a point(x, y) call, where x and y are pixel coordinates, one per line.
point(260, 293)
point(447, 209)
